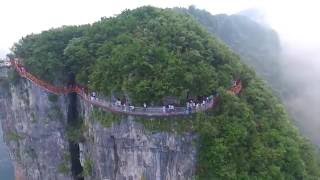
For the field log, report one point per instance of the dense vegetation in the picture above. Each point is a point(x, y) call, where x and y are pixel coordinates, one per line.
point(251, 137)
point(147, 54)
point(43, 53)
point(258, 45)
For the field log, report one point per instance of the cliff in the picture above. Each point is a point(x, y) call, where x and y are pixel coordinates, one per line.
point(35, 126)
point(143, 56)
point(34, 130)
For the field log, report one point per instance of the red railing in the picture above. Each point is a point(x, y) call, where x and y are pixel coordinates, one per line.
point(109, 106)
point(236, 89)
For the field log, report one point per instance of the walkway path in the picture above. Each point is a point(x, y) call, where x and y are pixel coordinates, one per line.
point(109, 106)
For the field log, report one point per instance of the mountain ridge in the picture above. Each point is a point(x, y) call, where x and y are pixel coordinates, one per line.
point(148, 53)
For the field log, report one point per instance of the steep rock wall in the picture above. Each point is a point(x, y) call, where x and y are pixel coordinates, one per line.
point(35, 130)
point(126, 150)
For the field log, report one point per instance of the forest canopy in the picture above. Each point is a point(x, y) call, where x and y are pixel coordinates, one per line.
point(146, 54)
point(150, 53)
point(258, 45)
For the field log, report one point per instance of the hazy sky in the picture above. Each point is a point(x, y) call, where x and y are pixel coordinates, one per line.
point(295, 19)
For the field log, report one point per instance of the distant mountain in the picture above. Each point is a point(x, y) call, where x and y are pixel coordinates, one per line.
point(258, 45)
point(255, 15)
point(249, 35)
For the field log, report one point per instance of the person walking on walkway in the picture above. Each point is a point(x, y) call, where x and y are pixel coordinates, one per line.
point(131, 108)
point(164, 109)
point(145, 106)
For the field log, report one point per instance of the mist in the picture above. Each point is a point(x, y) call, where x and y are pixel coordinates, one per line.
point(298, 28)
point(301, 76)
point(296, 23)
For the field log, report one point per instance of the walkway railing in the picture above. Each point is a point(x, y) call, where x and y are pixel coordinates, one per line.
point(112, 107)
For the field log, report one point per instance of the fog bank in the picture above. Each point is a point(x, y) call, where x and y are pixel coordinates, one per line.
point(301, 75)
point(296, 23)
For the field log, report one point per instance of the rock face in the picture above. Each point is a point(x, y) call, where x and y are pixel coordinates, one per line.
point(33, 128)
point(34, 125)
point(127, 150)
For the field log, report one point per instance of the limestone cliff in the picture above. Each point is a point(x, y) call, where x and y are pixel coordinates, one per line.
point(35, 126)
point(34, 130)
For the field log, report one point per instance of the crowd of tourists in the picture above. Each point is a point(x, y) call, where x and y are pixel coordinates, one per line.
point(201, 104)
point(192, 105)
